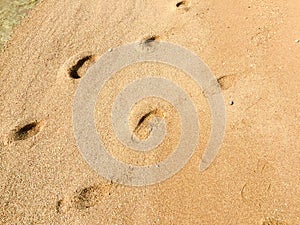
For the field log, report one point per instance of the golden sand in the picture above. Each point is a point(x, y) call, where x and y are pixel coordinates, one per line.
point(250, 47)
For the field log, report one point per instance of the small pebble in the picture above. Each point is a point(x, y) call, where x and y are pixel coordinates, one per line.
point(231, 103)
point(110, 50)
point(297, 41)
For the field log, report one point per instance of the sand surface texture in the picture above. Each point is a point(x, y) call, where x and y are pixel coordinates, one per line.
point(250, 46)
point(11, 11)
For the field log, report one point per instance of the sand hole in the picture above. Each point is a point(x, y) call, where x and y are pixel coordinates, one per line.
point(145, 117)
point(26, 131)
point(150, 39)
point(182, 4)
point(83, 198)
point(77, 70)
point(148, 44)
point(90, 196)
point(143, 129)
point(59, 205)
point(227, 82)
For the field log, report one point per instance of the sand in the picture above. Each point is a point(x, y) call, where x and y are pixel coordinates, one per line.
point(11, 12)
point(250, 46)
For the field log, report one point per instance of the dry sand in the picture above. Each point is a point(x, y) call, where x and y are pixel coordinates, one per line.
point(249, 45)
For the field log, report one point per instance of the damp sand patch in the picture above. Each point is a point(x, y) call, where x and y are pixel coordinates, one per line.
point(11, 13)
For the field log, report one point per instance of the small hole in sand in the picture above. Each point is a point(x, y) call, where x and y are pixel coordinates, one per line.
point(148, 44)
point(27, 131)
point(90, 196)
point(150, 39)
point(181, 4)
point(58, 205)
point(227, 81)
point(144, 118)
point(77, 70)
point(143, 128)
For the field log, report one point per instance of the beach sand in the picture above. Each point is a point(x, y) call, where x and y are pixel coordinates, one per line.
point(11, 12)
point(252, 49)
